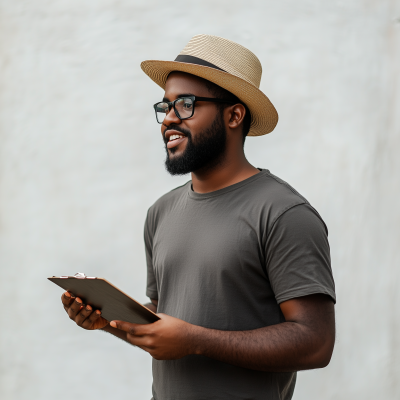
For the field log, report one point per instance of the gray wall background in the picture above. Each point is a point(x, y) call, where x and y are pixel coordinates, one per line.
point(81, 160)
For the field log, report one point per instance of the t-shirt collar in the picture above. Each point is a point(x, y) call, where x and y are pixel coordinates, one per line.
point(235, 186)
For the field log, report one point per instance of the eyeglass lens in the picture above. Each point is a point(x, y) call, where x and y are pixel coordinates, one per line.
point(183, 109)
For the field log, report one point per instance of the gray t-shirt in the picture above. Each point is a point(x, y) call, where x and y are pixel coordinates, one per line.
point(226, 260)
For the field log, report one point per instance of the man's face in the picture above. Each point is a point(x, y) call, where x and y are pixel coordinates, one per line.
point(202, 138)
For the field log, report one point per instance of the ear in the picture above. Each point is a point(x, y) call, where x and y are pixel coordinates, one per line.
point(236, 115)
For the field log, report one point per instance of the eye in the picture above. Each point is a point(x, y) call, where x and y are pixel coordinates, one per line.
point(187, 104)
point(162, 107)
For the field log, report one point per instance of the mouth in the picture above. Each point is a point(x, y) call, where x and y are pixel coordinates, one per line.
point(174, 138)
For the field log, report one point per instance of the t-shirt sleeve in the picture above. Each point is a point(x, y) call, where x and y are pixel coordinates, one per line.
point(151, 290)
point(297, 255)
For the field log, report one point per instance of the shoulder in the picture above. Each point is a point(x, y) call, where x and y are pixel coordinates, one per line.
point(166, 202)
point(277, 197)
point(278, 190)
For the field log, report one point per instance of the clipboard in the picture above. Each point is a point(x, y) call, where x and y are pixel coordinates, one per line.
point(104, 296)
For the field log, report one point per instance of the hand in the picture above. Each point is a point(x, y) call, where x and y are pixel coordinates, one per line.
point(166, 339)
point(84, 316)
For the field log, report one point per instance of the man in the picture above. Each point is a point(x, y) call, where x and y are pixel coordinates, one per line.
point(238, 261)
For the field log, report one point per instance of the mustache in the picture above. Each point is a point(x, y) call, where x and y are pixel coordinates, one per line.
point(186, 132)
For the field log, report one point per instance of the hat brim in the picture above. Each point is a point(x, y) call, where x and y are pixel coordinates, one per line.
point(264, 117)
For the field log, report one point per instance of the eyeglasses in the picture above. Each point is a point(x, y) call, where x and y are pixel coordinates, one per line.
point(183, 106)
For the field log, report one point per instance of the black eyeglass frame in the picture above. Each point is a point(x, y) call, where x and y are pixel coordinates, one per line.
point(194, 99)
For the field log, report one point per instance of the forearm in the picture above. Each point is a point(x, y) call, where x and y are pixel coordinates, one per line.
point(304, 341)
point(151, 307)
point(288, 346)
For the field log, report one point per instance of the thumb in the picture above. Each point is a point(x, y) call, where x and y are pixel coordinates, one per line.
point(114, 324)
point(125, 326)
point(118, 324)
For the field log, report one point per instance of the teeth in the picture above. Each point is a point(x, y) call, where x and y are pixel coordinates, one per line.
point(173, 137)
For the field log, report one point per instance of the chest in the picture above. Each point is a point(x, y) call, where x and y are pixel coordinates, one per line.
point(209, 241)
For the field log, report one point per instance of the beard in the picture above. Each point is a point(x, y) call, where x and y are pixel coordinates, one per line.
point(205, 153)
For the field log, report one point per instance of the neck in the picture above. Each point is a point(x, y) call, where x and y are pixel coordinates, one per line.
point(229, 171)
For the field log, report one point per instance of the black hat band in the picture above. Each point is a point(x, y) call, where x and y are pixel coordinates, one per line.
point(184, 58)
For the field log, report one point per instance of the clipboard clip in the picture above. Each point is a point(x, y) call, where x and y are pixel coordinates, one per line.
point(79, 275)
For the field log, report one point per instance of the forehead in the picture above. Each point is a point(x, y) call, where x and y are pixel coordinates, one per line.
point(179, 83)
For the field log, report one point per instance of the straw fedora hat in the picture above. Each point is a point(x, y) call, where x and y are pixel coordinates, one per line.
point(227, 64)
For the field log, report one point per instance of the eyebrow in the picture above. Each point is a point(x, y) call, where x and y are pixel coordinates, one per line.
point(179, 96)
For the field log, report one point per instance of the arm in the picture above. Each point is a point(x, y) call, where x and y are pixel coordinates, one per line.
point(152, 306)
point(304, 341)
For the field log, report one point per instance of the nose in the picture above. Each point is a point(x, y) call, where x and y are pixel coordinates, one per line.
point(171, 118)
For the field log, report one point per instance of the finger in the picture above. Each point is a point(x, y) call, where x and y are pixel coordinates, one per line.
point(67, 299)
point(133, 329)
point(91, 319)
point(83, 314)
point(75, 308)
